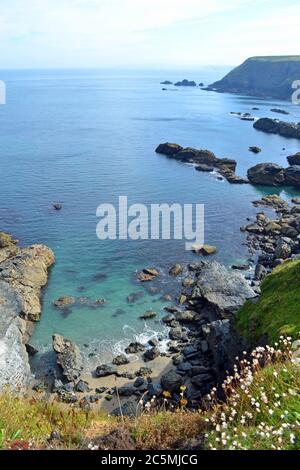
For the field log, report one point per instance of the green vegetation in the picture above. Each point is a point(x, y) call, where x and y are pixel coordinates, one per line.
point(261, 411)
point(263, 415)
point(278, 310)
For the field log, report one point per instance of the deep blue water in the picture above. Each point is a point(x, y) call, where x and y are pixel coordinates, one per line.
point(86, 137)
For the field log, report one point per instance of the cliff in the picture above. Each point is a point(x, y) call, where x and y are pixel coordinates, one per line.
point(270, 77)
point(23, 272)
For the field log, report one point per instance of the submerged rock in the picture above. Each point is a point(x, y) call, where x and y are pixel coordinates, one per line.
point(255, 149)
point(149, 315)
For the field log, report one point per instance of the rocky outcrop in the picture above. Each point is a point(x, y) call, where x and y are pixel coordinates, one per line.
point(294, 159)
point(274, 126)
point(262, 76)
point(266, 174)
point(23, 272)
point(205, 160)
point(271, 174)
point(186, 83)
point(292, 176)
point(220, 290)
point(68, 357)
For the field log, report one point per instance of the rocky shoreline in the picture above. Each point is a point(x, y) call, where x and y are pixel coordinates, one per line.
point(267, 174)
point(203, 343)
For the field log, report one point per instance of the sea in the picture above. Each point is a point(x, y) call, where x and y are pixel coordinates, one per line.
point(85, 137)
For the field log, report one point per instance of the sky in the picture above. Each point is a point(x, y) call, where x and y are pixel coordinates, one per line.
point(144, 33)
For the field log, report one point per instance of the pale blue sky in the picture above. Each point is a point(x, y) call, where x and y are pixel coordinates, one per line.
point(144, 33)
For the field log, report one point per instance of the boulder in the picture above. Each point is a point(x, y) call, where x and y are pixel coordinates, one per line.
point(121, 360)
point(151, 354)
point(292, 175)
point(294, 159)
point(224, 291)
point(268, 174)
point(171, 381)
point(134, 348)
point(68, 357)
point(296, 200)
point(176, 270)
point(104, 370)
point(168, 149)
point(147, 274)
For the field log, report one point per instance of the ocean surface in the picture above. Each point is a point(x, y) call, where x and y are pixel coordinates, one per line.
point(84, 137)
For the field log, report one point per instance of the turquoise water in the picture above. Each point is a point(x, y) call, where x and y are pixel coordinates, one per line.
point(86, 137)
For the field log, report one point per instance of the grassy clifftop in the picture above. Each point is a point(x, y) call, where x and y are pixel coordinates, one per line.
point(278, 310)
point(262, 76)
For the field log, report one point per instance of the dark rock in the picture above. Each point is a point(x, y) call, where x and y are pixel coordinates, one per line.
point(126, 391)
point(168, 149)
point(139, 381)
point(144, 372)
point(205, 168)
point(82, 387)
point(255, 149)
point(100, 390)
point(149, 315)
point(121, 360)
point(134, 348)
point(31, 350)
point(292, 175)
point(171, 381)
point(274, 126)
point(186, 83)
point(260, 272)
point(105, 370)
point(279, 111)
point(240, 267)
point(175, 333)
point(151, 354)
point(57, 207)
point(294, 159)
point(166, 82)
point(268, 174)
point(127, 409)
